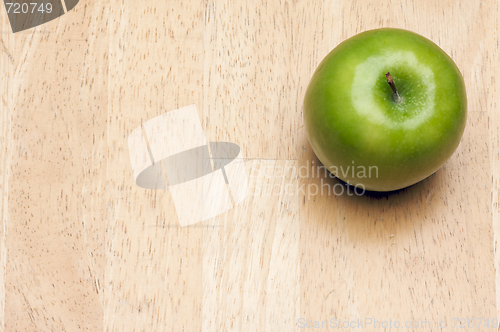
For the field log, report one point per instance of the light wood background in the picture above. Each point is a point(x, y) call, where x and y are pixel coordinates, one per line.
point(82, 248)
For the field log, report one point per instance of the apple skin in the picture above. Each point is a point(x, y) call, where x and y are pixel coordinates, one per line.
point(353, 122)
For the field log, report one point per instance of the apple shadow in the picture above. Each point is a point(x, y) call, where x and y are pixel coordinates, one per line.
point(383, 213)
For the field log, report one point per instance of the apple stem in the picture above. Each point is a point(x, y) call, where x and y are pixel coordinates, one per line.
point(395, 95)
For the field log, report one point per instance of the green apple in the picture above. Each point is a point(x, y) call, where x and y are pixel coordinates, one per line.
point(381, 131)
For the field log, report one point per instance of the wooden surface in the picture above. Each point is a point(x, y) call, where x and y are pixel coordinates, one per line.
point(83, 248)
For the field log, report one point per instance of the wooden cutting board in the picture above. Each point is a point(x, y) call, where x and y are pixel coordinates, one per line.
point(82, 247)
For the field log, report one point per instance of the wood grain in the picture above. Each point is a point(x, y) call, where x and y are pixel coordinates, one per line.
point(83, 248)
